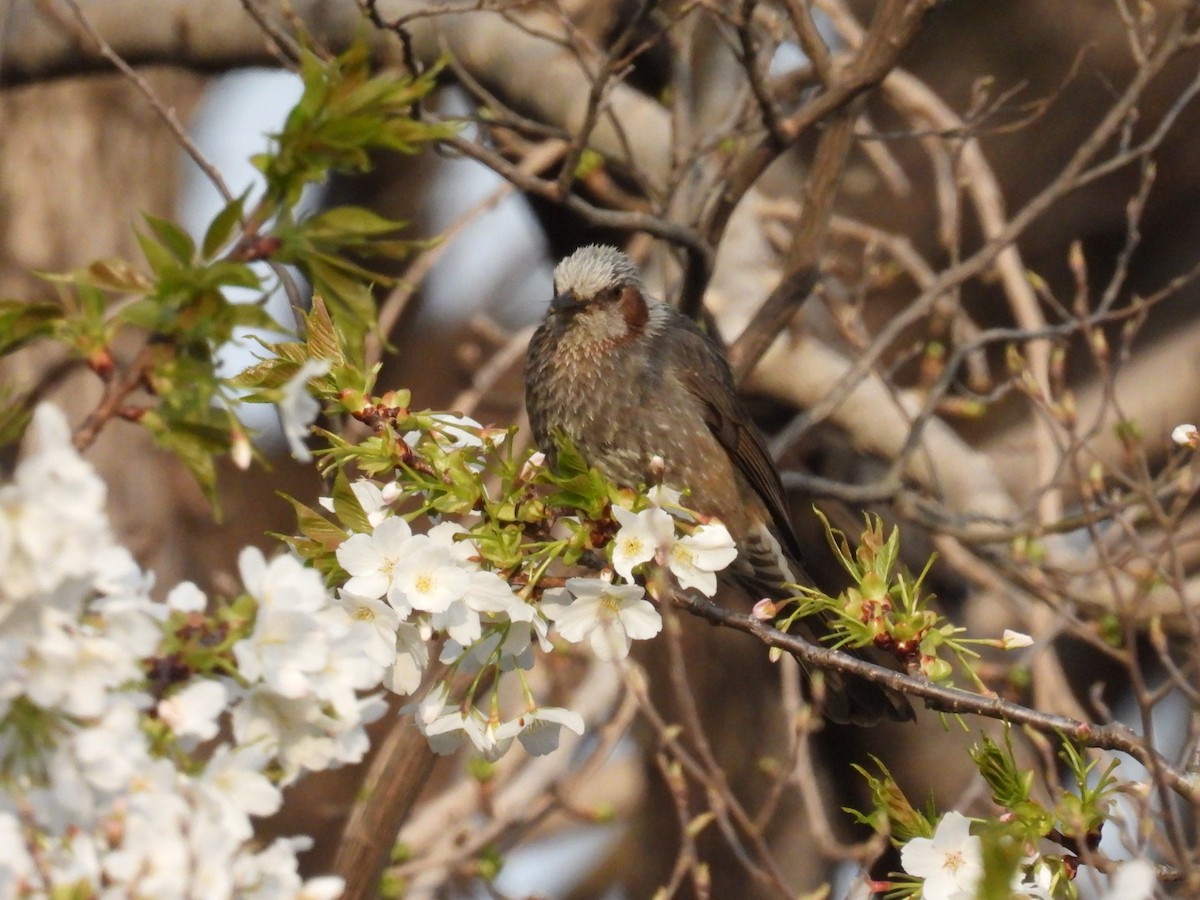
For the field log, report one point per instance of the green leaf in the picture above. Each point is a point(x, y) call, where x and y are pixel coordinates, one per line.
point(578, 485)
point(354, 220)
point(116, 274)
point(195, 447)
point(346, 506)
point(904, 821)
point(222, 226)
point(161, 260)
point(145, 313)
point(1082, 816)
point(338, 260)
point(1003, 853)
point(1010, 783)
point(22, 322)
point(92, 303)
point(176, 241)
point(83, 326)
point(269, 374)
point(14, 416)
point(343, 115)
point(253, 315)
point(322, 338)
point(223, 273)
point(350, 302)
point(316, 527)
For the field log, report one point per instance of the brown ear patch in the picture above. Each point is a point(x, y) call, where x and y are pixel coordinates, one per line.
point(633, 308)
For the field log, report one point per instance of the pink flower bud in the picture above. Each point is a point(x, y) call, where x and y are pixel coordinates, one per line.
point(765, 610)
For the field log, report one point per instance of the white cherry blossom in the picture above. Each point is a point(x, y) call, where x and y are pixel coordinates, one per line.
point(609, 616)
point(695, 558)
point(426, 578)
point(298, 409)
point(371, 559)
point(539, 730)
point(950, 863)
point(283, 651)
point(185, 597)
point(193, 712)
point(412, 656)
point(373, 625)
point(641, 537)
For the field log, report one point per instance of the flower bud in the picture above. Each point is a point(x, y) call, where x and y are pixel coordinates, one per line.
point(532, 465)
point(936, 669)
point(658, 467)
point(240, 450)
point(1015, 640)
point(1186, 436)
point(765, 609)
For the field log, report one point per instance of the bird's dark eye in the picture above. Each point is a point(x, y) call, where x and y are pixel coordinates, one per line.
point(608, 294)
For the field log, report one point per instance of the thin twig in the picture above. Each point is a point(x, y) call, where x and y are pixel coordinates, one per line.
point(167, 115)
point(116, 390)
point(895, 24)
point(536, 161)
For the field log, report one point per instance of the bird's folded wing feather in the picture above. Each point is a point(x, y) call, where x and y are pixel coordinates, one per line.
point(701, 364)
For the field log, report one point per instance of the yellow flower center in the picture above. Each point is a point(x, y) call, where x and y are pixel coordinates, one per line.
point(954, 861)
point(610, 606)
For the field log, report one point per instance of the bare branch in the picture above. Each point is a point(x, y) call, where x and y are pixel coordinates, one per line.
point(1114, 736)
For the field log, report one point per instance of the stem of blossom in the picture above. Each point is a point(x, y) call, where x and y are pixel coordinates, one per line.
point(530, 703)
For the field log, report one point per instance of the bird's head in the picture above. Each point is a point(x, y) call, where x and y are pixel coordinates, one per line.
point(600, 285)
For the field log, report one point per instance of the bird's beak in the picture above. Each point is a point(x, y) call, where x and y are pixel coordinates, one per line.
point(564, 301)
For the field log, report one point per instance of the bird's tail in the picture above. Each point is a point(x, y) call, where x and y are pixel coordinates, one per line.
point(851, 699)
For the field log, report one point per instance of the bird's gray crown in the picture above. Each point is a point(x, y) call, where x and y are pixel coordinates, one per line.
point(591, 269)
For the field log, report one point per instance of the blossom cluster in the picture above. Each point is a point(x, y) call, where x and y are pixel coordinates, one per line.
point(129, 767)
point(102, 787)
point(694, 559)
point(950, 866)
point(408, 588)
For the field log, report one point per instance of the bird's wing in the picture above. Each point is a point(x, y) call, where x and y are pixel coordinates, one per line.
point(702, 368)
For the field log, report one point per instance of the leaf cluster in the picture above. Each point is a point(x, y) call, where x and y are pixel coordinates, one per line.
point(180, 297)
point(884, 606)
point(522, 515)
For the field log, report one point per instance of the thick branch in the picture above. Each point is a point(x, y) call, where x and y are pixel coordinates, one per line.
point(396, 778)
point(800, 275)
point(895, 24)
